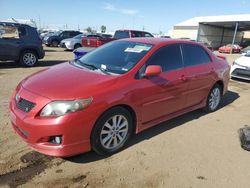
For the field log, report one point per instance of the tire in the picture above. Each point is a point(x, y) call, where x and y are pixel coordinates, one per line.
point(77, 46)
point(54, 43)
point(107, 139)
point(214, 99)
point(28, 58)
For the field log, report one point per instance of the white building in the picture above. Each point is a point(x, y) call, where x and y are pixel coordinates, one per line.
point(215, 30)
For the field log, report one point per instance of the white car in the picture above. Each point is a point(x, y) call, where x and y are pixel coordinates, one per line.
point(241, 67)
point(72, 43)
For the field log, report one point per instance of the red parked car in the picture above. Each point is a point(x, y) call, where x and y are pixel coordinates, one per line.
point(227, 48)
point(94, 41)
point(124, 87)
point(97, 40)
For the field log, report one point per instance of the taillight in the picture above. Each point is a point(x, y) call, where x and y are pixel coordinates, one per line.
point(98, 42)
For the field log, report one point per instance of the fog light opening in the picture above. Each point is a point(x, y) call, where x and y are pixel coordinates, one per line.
point(55, 139)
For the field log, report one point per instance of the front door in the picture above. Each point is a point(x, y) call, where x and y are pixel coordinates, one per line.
point(164, 94)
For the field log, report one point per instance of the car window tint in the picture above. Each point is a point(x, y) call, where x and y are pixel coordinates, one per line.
point(8, 31)
point(194, 55)
point(121, 34)
point(22, 31)
point(148, 35)
point(66, 34)
point(168, 57)
point(136, 34)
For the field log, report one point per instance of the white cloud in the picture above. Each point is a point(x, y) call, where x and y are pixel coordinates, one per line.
point(111, 7)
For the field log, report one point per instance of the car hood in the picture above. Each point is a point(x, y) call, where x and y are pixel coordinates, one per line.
point(244, 61)
point(67, 82)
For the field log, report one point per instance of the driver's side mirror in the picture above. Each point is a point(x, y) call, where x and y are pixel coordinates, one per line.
point(153, 70)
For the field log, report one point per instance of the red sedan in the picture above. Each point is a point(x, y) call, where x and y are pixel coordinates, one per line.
point(124, 87)
point(227, 48)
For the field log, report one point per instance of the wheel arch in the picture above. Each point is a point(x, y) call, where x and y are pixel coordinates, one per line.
point(221, 84)
point(27, 49)
point(125, 106)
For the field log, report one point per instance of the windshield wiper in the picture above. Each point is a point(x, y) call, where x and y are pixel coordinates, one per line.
point(94, 67)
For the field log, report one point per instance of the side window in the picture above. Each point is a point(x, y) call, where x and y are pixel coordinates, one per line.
point(8, 31)
point(22, 31)
point(66, 34)
point(194, 55)
point(136, 34)
point(168, 57)
point(147, 35)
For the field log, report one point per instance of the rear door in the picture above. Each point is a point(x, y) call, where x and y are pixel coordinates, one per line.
point(199, 71)
point(164, 94)
point(9, 42)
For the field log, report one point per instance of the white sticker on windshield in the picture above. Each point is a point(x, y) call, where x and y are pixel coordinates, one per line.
point(134, 50)
point(144, 48)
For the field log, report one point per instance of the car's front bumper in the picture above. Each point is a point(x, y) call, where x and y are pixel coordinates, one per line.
point(240, 72)
point(74, 128)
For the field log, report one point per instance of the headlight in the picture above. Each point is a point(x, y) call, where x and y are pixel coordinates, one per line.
point(234, 63)
point(68, 42)
point(60, 108)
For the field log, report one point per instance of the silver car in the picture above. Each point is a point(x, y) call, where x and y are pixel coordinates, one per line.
point(72, 43)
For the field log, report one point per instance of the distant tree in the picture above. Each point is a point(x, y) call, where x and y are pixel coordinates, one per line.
point(103, 28)
point(89, 29)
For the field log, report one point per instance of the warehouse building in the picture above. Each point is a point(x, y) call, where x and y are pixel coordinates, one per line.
point(214, 30)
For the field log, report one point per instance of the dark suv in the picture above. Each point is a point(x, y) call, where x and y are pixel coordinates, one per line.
point(20, 42)
point(55, 39)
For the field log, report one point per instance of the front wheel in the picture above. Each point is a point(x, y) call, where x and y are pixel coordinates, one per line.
point(214, 98)
point(112, 131)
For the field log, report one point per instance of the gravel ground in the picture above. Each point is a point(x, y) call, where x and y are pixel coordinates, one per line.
point(193, 150)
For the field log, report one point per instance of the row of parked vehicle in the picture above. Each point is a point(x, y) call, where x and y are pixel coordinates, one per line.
point(74, 39)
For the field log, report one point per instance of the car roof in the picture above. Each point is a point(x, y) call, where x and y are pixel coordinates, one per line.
point(15, 24)
point(158, 41)
point(131, 30)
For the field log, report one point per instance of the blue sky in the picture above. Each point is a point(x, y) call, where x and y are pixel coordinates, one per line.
point(153, 16)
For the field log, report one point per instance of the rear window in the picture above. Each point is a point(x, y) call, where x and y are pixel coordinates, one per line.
point(121, 34)
point(194, 55)
point(9, 31)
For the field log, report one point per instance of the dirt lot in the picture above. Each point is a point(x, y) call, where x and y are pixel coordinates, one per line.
point(194, 150)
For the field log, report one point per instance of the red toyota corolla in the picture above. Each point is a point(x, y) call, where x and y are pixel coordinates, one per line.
point(98, 101)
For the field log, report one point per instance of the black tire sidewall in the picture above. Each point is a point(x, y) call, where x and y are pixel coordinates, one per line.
point(54, 41)
point(22, 55)
point(77, 46)
point(208, 109)
point(95, 135)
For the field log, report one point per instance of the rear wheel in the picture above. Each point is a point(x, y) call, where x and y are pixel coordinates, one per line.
point(112, 131)
point(54, 43)
point(77, 46)
point(28, 58)
point(214, 98)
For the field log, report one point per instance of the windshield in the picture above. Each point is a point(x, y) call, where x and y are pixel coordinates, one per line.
point(78, 36)
point(57, 33)
point(116, 57)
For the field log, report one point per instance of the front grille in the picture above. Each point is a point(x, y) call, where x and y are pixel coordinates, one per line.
point(25, 105)
point(241, 72)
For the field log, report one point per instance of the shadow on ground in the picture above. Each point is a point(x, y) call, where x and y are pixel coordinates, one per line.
point(11, 64)
point(229, 98)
